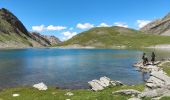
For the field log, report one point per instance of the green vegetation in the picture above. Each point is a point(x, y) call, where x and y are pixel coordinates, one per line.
point(111, 37)
point(166, 67)
point(29, 93)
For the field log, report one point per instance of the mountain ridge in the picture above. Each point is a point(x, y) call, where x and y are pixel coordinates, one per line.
point(13, 33)
point(115, 37)
point(159, 26)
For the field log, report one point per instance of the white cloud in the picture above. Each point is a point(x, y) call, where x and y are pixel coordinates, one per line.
point(41, 28)
point(68, 35)
point(103, 25)
point(121, 24)
point(55, 28)
point(38, 28)
point(142, 23)
point(84, 26)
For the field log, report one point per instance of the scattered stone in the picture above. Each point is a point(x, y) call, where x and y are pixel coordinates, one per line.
point(134, 99)
point(69, 94)
point(116, 83)
point(40, 86)
point(127, 92)
point(15, 95)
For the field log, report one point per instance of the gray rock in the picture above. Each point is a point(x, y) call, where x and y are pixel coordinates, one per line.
point(154, 93)
point(95, 85)
point(105, 81)
point(116, 83)
point(161, 76)
point(154, 83)
point(134, 99)
point(127, 92)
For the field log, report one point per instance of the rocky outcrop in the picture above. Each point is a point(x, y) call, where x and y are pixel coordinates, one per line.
point(52, 39)
point(155, 93)
point(9, 23)
point(44, 39)
point(102, 83)
point(158, 84)
point(160, 26)
point(37, 37)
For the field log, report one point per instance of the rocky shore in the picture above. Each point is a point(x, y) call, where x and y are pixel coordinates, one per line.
point(156, 86)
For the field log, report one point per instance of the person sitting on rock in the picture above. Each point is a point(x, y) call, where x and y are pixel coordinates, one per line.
point(145, 59)
point(153, 58)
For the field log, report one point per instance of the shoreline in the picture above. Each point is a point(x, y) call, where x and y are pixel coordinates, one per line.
point(163, 46)
point(123, 92)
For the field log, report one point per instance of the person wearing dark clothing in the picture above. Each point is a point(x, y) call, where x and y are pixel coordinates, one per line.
point(153, 58)
point(145, 59)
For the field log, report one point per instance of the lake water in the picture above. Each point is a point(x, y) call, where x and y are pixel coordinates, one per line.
point(68, 68)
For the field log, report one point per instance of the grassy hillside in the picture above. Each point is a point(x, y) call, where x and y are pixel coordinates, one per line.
point(111, 37)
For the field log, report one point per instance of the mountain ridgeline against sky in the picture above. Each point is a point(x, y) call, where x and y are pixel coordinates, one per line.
point(159, 26)
point(14, 34)
point(115, 37)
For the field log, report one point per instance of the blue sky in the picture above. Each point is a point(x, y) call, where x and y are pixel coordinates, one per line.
point(66, 18)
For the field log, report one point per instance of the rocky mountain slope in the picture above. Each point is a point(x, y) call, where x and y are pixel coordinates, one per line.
point(115, 37)
point(13, 33)
point(159, 26)
point(45, 40)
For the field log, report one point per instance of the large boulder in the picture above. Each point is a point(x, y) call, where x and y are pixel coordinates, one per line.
point(95, 85)
point(102, 83)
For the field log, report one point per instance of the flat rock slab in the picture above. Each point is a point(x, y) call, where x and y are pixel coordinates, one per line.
point(154, 93)
point(154, 83)
point(127, 92)
point(161, 76)
point(134, 99)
